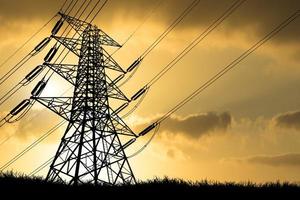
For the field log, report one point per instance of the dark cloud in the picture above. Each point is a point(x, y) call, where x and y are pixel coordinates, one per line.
point(28, 9)
point(288, 120)
point(197, 125)
point(255, 17)
point(291, 159)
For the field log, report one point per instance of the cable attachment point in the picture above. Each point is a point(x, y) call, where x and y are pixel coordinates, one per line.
point(127, 144)
point(51, 54)
point(139, 93)
point(122, 107)
point(41, 46)
point(18, 112)
point(148, 129)
point(33, 74)
point(38, 89)
point(57, 27)
point(134, 65)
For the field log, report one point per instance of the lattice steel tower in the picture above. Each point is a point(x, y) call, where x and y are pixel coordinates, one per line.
point(91, 149)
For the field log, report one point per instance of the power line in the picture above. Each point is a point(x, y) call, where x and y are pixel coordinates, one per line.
point(48, 162)
point(16, 88)
point(69, 26)
point(170, 28)
point(27, 57)
point(138, 27)
point(38, 114)
point(71, 6)
point(75, 32)
point(136, 105)
point(93, 54)
point(102, 6)
point(92, 10)
point(41, 167)
point(59, 46)
point(192, 45)
point(160, 38)
point(10, 93)
point(216, 77)
point(90, 1)
point(39, 140)
point(143, 22)
point(196, 41)
point(147, 143)
point(200, 89)
point(62, 7)
point(31, 37)
point(77, 12)
point(46, 134)
point(132, 73)
point(233, 64)
point(27, 41)
point(4, 120)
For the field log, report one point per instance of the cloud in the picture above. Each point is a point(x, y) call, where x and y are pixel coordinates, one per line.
point(175, 153)
point(28, 9)
point(290, 159)
point(36, 124)
point(197, 125)
point(245, 20)
point(33, 125)
point(288, 120)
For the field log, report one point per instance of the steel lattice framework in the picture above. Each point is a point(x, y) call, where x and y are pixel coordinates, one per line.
point(91, 149)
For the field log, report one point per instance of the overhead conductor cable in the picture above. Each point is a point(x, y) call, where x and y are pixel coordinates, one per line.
point(216, 77)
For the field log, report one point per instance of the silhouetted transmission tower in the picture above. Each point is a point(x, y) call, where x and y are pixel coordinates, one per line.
point(91, 149)
point(93, 146)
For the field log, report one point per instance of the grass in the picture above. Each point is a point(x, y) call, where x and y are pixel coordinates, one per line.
point(11, 183)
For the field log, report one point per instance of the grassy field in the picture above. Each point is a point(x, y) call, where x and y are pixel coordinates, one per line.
point(20, 184)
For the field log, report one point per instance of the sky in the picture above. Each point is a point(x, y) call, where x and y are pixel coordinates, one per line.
point(245, 127)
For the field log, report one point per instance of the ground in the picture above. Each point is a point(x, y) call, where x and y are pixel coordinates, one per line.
point(20, 185)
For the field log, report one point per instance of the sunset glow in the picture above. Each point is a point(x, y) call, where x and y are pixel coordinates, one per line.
point(245, 126)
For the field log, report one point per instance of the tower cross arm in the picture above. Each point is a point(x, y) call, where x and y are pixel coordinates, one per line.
point(59, 105)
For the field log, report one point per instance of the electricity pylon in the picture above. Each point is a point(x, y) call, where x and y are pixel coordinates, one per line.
point(91, 148)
